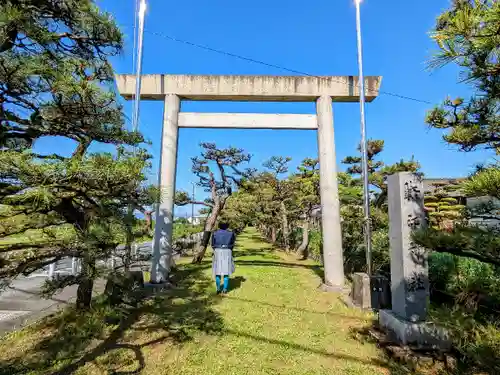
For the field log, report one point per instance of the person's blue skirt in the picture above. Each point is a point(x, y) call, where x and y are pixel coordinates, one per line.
point(222, 262)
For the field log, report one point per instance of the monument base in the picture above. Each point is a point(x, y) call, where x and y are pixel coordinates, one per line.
point(423, 335)
point(361, 291)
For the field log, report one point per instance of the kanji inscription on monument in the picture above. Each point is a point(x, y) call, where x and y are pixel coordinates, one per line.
point(410, 281)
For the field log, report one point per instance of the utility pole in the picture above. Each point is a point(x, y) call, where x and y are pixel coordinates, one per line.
point(141, 13)
point(138, 68)
point(364, 145)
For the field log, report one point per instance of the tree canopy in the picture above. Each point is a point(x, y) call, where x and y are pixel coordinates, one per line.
point(468, 35)
point(218, 172)
point(56, 81)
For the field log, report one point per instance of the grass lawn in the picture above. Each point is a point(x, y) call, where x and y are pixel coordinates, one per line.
point(274, 321)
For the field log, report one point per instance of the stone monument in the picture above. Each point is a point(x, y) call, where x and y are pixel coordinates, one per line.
point(409, 267)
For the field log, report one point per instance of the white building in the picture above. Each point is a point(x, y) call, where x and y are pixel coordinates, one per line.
point(197, 219)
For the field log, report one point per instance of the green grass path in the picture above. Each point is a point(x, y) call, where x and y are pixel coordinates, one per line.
point(273, 321)
point(276, 321)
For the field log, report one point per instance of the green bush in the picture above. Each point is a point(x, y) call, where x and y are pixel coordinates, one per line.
point(470, 281)
point(482, 345)
point(315, 244)
point(185, 230)
point(381, 259)
point(442, 268)
point(476, 281)
point(477, 340)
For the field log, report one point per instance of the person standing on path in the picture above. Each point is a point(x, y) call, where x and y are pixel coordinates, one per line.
point(222, 262)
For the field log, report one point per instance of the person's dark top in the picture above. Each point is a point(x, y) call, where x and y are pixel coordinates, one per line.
point(223, 239)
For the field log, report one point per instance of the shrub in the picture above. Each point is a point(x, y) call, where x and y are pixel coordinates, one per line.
point(442, 268)
point(315, 245)
point(185, 230)
point(477, 340)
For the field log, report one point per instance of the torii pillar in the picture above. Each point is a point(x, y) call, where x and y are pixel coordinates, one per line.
point(172, 89)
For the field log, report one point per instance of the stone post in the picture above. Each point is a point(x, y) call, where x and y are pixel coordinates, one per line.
point(409, 268)
point(74, 270)
point(409, 274)
point(162, 241)
point(330, 208)
point(52, 270)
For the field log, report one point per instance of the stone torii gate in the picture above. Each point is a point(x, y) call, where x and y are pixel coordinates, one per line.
point(172, 89)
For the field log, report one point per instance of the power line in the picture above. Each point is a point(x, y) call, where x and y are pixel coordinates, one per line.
point(295, 71)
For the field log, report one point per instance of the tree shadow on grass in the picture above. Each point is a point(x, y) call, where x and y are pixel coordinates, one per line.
point(265, 254)
point(306, 349)
point(318, 270)
point(298, 309)
point(115, 336)
point(236, 282)
point(255, 237)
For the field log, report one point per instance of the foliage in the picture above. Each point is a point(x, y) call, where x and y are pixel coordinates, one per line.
point(473, 242)
point(351, 194)
point(279, 203)
point(226, 163)
point(55, 80)
point(239, 210)
point(443, 211)
point(282, 194)
point(470, 282)
point(352, 239)
point(182, 230)
point(477, 341)
point(377, 170)
point(101, 338)
point(181, 220)
point(467, 35)
point(483, 183)
point(316, 245)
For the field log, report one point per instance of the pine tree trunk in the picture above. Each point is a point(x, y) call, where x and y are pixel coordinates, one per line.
point(273, 235)
point(86, 285)
point(149, 220)
point(302, 250)
point(127, 256)
point(207, 231)
point(284, 227)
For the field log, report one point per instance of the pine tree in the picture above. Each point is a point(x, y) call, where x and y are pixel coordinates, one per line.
point(351, 194)
point(306, 184)
point(468, 35)
point(282, 193)
point(55, 80)
point(226, 162)
point(377, 170)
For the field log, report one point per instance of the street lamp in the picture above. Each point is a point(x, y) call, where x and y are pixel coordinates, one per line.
point(364, 145)
point(137, 99)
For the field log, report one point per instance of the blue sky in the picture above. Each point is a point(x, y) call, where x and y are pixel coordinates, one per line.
point(317, 37)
